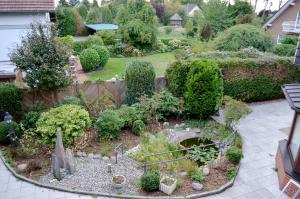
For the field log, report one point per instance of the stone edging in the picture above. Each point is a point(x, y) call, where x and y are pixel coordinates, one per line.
point(203, 194)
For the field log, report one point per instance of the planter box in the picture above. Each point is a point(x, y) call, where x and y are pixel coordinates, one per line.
point(118, 186)
point(168, 189)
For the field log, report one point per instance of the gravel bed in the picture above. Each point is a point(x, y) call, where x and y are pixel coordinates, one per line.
point(91, 175)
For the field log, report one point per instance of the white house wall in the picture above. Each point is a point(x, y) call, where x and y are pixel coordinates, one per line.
point(13, 26)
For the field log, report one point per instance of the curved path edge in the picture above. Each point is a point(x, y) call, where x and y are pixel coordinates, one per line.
point(203, 194)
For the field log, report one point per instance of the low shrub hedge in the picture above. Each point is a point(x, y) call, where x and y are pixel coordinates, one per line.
point(234, 155)
point(150, 181)
point(251, 76)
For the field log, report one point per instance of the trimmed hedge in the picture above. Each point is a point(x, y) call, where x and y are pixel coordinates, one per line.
point(253, 80)
point(204, 88)
point(246, 79)
point(103, 55)
point(140, 80)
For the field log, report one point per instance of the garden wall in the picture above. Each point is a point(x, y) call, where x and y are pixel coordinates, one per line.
point(91, 91)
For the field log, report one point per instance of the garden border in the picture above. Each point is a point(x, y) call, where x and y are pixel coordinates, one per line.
point(192, 196)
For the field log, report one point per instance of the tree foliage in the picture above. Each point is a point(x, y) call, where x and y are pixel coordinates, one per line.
point(66, 21)
point(38, 56)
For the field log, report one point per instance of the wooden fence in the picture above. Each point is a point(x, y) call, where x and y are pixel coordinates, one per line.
point(90, 90)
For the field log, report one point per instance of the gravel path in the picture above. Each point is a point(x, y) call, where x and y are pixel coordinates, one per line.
point(91, 175)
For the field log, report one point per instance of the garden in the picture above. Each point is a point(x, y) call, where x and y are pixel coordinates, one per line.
point(159, 142)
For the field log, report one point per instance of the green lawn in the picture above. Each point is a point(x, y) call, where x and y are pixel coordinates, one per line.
point(117, 66)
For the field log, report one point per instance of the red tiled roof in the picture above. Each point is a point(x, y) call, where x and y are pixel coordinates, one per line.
point(26, 5)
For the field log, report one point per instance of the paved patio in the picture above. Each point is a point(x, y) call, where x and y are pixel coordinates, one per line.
point(261, 130)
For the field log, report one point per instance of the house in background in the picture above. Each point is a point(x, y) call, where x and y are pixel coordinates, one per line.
point(15, 19)
point(191, 9)
point(176, 20)
point(286, 21)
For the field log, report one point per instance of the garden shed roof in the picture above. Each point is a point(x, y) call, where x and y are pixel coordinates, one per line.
point(176, 17)
point(26, 5)
point(292, 94)
point(98, 27)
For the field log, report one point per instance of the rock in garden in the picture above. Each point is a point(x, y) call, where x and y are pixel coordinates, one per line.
point(91, 155)
point(97, 156)
point(79, 154)
point(83, 154)
point(59, 149)
point(22, 167)
point(205, 170)
point(166, 125)
point(197, 186)
point(70, 163)
point(55, 167)
point(184, 173)
point(105, 158)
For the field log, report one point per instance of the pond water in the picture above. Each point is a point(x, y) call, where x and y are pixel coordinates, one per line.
point(195, 142)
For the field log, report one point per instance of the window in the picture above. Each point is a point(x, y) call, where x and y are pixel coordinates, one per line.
point(295, 139)
point(280, 39)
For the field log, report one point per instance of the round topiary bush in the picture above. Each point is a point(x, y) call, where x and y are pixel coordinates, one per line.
point(4, 128)
point(140, 80)
point(10, 101)
point(243, 36)
point(137, 127)
point(176, 76)
point(89, 59)
point(72, 119)
point(150, 181)
point(204, 88)
point(109, 124)
point(103, 55)
point(234, 155)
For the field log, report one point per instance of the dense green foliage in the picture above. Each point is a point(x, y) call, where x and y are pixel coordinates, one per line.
point(176, 76)
point(103, 55)
point(65, 20)
point(108, 36)
point(4, 130)
point(138, 127)
point(11, 101)
point(234, 155)
point(199, 176)
point(204, 88)
point(43, 61)
point(243, 36)
point(140, 80)
point(261, 79)
point(71, 119)
point(89, 59)
point(30, 119)
point(71, 100)
point(129, 114)
point(93, 40)
point(285, 50)
point(109, 124)
point(150, 181)
point(293, 40)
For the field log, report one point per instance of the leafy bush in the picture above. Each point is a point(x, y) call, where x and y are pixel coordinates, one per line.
point(11, 100)
point(72, 120)
point(285, 50)
point(168, 105)
point(108, 36)
point(292, 40)
point(30, 119)
point(150, 181)
point(243, 36)
point(89, 59)
point(129, 114)
point(71, 100)
point(137, 127)
point(198, 175)
point(65, 43)
point(204, 88)
point(93, 40)
point(109, 124)
point(78, 46)
point(231, 173)
point(4, 130)
point(41, 59)
point(65, 20)
point(234, 155)
point(176, 76)
point(140, 79)
point(103, 55)
point(234, 110)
